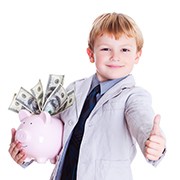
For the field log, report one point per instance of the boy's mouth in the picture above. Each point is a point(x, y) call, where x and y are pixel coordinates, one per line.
point(115, 66)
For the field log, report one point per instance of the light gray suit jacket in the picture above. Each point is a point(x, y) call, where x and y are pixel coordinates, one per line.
point(122, 117)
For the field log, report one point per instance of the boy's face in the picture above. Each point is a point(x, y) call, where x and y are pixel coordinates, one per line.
point(114, 58)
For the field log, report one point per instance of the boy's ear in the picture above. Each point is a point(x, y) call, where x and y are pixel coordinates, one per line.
point(90, 54)
point(138, 55)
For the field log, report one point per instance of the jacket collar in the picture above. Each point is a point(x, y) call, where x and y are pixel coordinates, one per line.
point(82, 89)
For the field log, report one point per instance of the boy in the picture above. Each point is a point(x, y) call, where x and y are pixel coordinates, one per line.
point(100, 145)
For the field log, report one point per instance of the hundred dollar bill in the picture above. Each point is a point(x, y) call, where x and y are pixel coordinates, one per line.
point(69, 101)
point(37, 92)
point(53, 82)
point(28, 100)
point(55, 100)
point(15, 105)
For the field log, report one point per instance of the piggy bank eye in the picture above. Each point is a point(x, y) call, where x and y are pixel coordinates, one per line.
point(23, 122)
point(30, 122)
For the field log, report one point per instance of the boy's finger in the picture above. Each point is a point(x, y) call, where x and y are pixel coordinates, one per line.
point(156, 126)
point(13, 132)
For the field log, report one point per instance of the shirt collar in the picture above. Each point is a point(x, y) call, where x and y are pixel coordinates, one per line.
point(106, 85)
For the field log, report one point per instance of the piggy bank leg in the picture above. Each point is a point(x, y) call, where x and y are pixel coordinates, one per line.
point(53, 160)
point(41, 160)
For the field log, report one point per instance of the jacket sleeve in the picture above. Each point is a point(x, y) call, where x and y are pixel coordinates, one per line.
point(26, 164)
point(139, 116)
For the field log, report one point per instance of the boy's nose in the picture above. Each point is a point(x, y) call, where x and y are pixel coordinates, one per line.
point(115, 57)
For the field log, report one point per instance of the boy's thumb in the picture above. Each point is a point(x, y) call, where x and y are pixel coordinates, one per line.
point(13, 132)
point(156, 125)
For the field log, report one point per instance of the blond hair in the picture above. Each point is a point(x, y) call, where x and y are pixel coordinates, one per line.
point(115, 24)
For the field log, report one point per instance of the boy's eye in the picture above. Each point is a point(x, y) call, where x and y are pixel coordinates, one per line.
point(125, 50)
point(105, 49)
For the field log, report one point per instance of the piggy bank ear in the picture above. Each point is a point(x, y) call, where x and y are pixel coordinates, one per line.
point(24, 114)
point(45, 116)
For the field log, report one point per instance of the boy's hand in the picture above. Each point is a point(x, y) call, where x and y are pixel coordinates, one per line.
point(155, 144)
point(15, 150)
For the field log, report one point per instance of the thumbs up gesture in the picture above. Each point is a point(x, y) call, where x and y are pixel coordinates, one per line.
point(155, 144)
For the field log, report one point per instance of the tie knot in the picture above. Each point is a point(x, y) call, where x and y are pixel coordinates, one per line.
point(95, 91)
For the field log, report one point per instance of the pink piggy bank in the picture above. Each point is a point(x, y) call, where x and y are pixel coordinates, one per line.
point(40, 136)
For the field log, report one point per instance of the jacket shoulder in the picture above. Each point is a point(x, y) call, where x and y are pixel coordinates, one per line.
point(73, 84)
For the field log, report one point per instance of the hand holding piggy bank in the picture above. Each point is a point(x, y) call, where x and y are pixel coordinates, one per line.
point(40, 136)
point(40, 133)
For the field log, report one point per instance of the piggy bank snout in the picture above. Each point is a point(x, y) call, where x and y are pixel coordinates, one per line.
point(22, 135)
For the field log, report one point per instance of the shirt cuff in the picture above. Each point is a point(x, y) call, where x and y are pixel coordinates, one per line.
point(155, 163)
point(26, 164)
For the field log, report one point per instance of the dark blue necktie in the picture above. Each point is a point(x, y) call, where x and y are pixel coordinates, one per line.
point(71, 158)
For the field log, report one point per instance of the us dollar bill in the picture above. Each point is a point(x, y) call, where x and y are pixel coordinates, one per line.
point(15, 105)
point(55, 100)
point(28, 100)
point(53, 83)
point(37, 92)
point(69, 101)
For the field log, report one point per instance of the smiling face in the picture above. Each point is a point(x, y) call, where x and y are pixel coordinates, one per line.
point(113, 58)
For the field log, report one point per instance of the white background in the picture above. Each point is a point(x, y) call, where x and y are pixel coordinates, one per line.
point(38, 38)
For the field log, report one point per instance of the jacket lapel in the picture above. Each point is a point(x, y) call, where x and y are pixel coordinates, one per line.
point(81, 91)
point(117, 89)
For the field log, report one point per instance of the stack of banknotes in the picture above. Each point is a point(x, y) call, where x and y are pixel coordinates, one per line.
point(55, 99)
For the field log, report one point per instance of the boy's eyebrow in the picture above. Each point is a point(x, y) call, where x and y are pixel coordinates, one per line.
point(127, 45)
point(106, 44)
